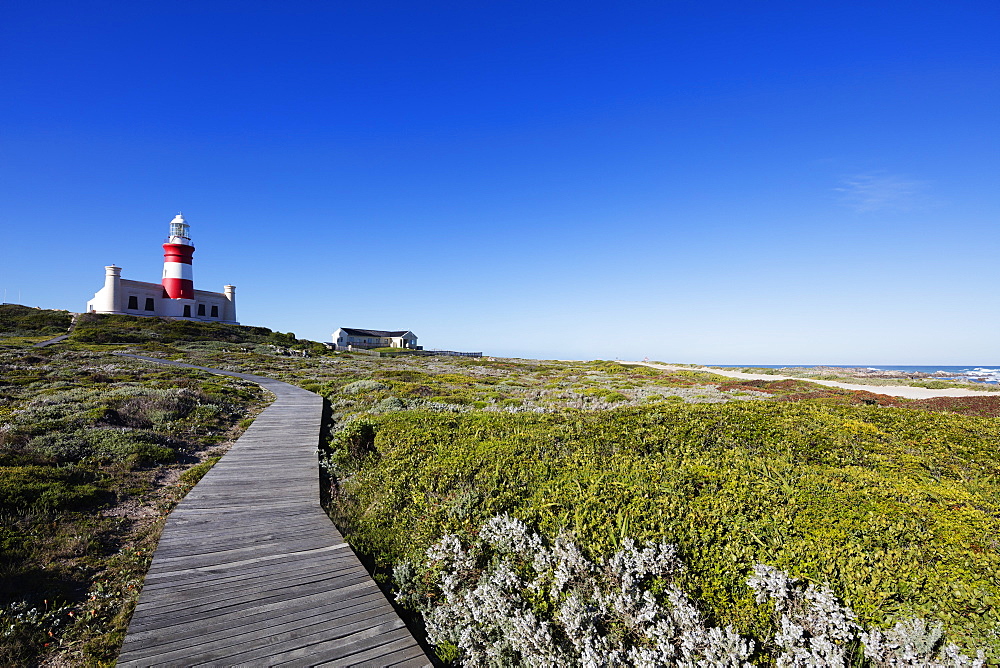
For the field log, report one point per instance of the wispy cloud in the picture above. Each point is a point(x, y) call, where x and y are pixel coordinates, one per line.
point(878, 191)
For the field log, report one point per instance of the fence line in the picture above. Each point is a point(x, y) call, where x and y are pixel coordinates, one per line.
point(445, 353)
point(452, 353)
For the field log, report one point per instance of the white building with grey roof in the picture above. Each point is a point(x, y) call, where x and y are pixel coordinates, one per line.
point(348, 337)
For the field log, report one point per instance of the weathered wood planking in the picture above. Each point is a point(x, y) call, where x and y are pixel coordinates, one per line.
point(250, 570)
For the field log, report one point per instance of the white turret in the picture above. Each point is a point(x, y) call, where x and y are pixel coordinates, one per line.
point(109, 298)
point(229, 308)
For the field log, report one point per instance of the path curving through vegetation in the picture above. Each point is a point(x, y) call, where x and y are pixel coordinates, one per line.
point(250, 570)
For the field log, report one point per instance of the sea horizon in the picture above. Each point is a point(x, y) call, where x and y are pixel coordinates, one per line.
point(976, 373)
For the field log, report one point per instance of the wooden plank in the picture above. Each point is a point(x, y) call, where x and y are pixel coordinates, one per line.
point(408, 656)
point(163, 603)
point(335, 637)
point(215, 646)
point(289, 558)
point(236, 553)
point(358, 653)
point(213, 596)
point(345, 597)
point(188, 590)
point(220, 628)
point(201, 576)
point(250, 569)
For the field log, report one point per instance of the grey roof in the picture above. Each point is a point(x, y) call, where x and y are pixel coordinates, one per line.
point(374, 332)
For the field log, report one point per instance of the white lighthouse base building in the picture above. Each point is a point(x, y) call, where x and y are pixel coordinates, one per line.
point(122, 296)
point(175, 297)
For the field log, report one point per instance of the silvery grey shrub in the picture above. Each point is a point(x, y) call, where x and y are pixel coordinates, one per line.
point(360, 386)
point(602, 613)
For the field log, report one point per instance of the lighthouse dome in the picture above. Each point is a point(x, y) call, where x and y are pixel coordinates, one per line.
point(179, 230)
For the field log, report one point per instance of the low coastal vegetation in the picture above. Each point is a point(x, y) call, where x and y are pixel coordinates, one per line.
point(18, 322)
point(94, 451)
point(115, 329)
point(893, 504)
point(896, 510)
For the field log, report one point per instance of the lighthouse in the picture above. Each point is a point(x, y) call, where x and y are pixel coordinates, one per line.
point(174, 297)
point(178, 279)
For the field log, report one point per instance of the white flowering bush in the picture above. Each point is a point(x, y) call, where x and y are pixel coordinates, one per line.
point(509, 599)
point(814, 629)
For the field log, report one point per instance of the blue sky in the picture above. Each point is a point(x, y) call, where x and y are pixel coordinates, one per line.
point(715, 182)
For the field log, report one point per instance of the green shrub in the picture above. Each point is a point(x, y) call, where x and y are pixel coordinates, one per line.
point(46, 488)
point(896, 509)
point(17, 320)
point(132, 447)
point(61, 447)
point(389, 404)
point(405, 375)
point(605, 394)
point(99, 328)
point(356, 440)
point(135, 447)
point(457, 399)
point(193, 475)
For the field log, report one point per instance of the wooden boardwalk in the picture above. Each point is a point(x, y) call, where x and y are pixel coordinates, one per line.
point(250, 570)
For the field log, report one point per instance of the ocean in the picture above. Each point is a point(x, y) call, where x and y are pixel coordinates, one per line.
point(979, 374)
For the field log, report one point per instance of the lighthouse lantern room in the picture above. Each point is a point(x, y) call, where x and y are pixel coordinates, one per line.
point(174, 296)
point(179, 230)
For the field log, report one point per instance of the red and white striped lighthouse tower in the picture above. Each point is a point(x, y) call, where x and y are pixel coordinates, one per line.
point(178, 279)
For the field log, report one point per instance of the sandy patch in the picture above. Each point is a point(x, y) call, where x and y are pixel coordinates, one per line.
point(905, 391)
